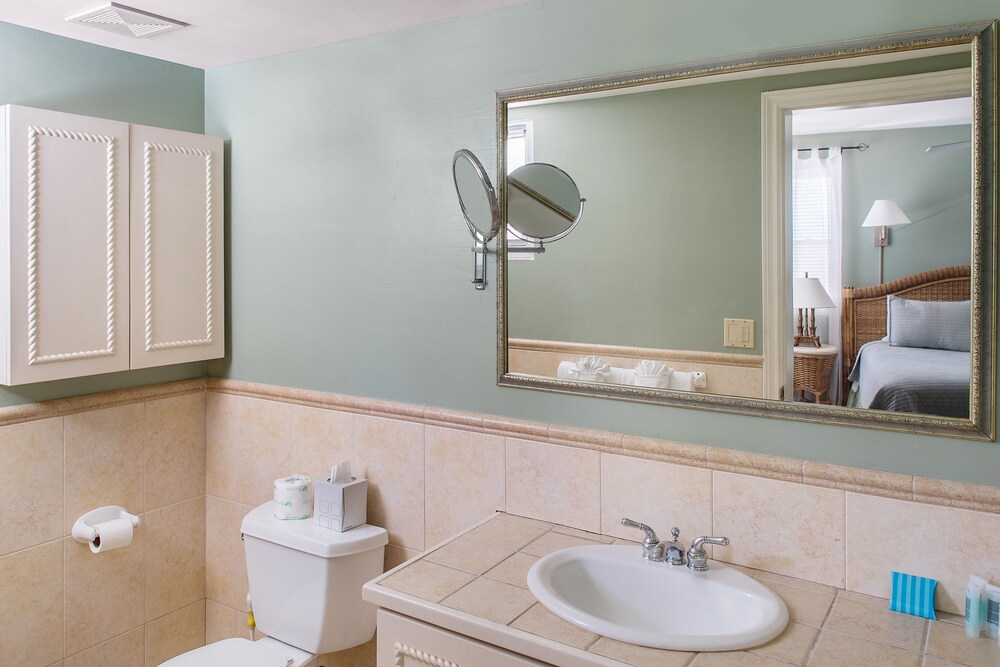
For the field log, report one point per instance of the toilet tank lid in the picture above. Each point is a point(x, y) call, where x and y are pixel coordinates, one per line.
point(240, 652)
point(304, 535)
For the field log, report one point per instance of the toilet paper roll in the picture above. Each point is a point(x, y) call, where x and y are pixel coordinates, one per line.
point(111, 535)
point(293, 497)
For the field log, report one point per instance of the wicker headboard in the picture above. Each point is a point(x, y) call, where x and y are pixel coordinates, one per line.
point(864, 308)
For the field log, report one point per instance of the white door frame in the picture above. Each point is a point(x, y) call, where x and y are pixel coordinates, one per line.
point(776, 213)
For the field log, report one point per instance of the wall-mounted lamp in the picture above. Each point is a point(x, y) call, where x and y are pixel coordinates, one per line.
point(884, 213)
point(808, 295)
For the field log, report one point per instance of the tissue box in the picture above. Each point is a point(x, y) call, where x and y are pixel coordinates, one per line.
point(341, 507)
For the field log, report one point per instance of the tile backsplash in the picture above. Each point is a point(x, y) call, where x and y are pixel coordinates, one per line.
point(193, 457)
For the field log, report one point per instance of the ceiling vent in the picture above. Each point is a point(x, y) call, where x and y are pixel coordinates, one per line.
point(125, 20)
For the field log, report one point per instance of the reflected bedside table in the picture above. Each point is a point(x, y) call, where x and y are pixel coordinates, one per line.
point(811, 376)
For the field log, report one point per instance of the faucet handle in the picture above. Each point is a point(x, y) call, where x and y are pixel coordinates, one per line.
point(651, 538)
point(697, 558)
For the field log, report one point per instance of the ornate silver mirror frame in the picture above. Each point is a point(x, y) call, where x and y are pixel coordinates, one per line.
point(981, 39)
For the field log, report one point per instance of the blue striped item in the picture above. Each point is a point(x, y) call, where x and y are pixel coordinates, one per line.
point(913, 595)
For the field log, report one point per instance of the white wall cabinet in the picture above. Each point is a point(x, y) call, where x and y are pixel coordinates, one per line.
point(110, 246)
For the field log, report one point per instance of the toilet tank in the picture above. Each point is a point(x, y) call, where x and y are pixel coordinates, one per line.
point(305, 581)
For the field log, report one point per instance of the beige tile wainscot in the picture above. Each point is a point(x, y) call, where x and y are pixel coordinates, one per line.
point(474, 585)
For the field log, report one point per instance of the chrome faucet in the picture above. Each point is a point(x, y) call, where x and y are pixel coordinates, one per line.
point(696, 556)
point(653, 549)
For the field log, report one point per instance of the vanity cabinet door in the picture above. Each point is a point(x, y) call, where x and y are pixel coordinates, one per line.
point(177, 249)
point(404, 642)
point(64, 246)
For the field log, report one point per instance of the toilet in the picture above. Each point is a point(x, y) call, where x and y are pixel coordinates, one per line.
point(305, 589)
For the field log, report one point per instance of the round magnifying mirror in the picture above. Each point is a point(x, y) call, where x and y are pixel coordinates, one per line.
point(543, 203)
point(476, 196)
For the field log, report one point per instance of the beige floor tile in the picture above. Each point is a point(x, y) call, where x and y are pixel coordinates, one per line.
point(109, 585)
point(390, 453)
point(506, 534)
point(866, 621)
point(837, 650)
point(948, 641)
point(221, 432)
point(221, 622)
point(806, 607)
point(123, 651)
point(175, 633)
point(934, 661)
point(552, 541)
point(493, 600)
point(640, 656)
point(514, 570)
point(792, 645)
point(468, 555)
point(661, 495)
point(175, 450)
point(466, 466)
point(175, 570)
point(801, 536)
point(554, 483)
point(948, 617)
point(540, 621)
point(32, 511)
point(537, 523)
point(862, 598)
point(105, 461)
point(883, 536)
point(734, 659)
point(31, 605)
point(427, 581)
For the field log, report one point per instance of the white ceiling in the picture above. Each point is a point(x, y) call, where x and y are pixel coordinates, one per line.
point(223, 32)
point(938, 113)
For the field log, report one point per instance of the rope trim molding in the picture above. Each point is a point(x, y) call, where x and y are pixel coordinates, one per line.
point(403, 651)
point(148, 149)
point(34, 358)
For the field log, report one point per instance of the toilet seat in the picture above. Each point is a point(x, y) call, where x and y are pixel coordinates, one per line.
point(242, 652)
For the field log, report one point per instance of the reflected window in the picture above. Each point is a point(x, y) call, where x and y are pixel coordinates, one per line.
point(520, 149)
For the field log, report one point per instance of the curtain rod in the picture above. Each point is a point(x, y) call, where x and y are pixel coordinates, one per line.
point(862, 147)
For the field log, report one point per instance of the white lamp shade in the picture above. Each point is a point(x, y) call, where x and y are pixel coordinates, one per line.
point(885, 213)
point(809, 293)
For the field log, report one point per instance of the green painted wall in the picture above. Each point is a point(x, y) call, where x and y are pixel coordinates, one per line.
point(349, 261)
point(933, 189)
point(671, 243)
point(42, 70)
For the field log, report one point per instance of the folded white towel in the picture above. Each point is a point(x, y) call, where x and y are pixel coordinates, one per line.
point(621, 375)
point(564, 370)
point(687, 380)
point(590, 369)
point(652, 374)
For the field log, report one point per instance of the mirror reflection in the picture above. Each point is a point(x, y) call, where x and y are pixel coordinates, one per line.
point(667, 287)
point(543, 203)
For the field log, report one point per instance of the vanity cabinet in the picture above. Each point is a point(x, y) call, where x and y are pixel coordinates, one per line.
point(111, 240)
point(404, 642)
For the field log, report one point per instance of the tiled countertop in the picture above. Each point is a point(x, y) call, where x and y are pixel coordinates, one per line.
point(475, 585)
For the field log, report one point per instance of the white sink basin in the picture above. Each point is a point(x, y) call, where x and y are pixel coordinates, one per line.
point(611, 590)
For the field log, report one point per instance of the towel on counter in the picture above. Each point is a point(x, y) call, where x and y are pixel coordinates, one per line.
point(687, 380)
point(590, 369)
point(652, 374)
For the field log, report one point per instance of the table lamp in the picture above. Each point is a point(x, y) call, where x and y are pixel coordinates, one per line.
point(808, 295)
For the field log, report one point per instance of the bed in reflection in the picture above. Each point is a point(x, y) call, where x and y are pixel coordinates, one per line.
point(906, 344)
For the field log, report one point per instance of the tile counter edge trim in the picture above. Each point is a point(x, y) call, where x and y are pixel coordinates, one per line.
point(899, 486)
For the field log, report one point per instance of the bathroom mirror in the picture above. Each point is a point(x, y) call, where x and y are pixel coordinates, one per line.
point(478, 200)
point(543, 203)
point(685, 267)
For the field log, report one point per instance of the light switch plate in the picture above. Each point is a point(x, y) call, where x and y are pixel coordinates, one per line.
point(738, 333)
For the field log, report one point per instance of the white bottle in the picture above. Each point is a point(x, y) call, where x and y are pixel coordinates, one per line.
point(974, 606)
point(992, 610)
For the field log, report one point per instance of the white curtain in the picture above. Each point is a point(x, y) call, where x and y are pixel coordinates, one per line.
point(817, 236)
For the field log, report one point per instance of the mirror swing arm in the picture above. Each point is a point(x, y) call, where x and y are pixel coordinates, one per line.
point(980, 40)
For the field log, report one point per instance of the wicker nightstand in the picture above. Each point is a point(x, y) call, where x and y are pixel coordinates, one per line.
point(813, 366)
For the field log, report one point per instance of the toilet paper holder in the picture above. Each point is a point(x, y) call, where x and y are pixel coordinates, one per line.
point(83, 529)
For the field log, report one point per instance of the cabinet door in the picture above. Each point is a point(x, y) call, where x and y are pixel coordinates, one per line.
point(66, 231)
point(177, 249)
